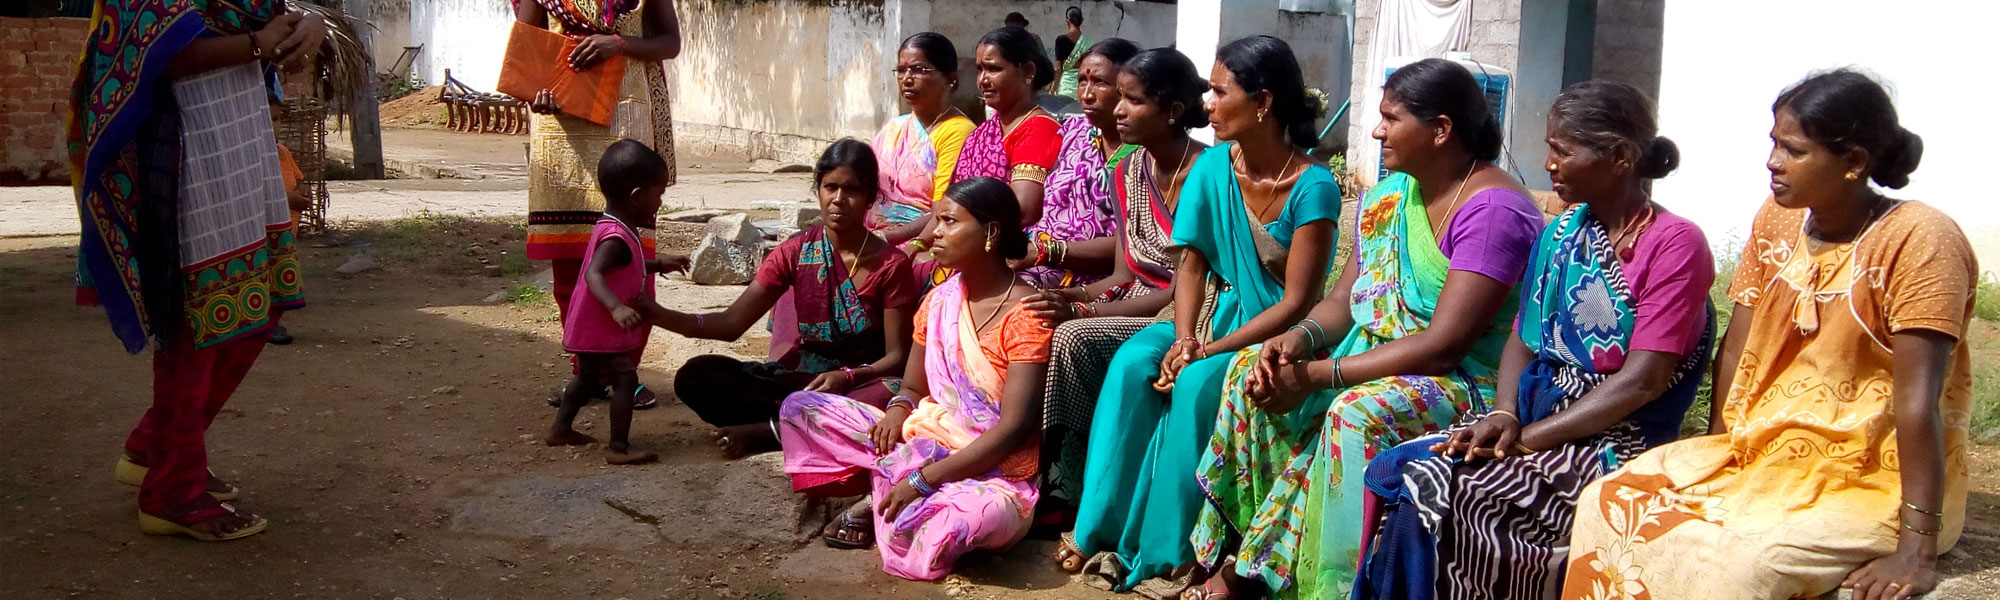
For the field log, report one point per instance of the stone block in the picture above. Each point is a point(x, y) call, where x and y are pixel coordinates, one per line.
point(719, 261)
point(799, 215)
point(694, 215)
point(734, 228)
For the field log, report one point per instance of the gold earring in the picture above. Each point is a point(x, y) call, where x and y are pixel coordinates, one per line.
point(1260, 115)
point(989, 244)
point(1851, 176)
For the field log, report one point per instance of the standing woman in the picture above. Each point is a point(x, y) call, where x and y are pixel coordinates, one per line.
point(1073, 243)
point(952, 461)
point(1840, 454)
point(852, 295)
point(1159, 101)
point(1609, 349)
point(563, 200)
point(1255, 229)
point(186, 240)
point(1067, 47)
point(919, 151)
point(1414, 332)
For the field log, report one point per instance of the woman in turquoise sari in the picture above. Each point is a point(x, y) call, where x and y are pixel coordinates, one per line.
point(1255, 229)
point(1415, 338)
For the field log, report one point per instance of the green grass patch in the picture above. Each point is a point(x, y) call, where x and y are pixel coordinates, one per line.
point(515, 264)
point(530, 296)
point(1986, 301)
point(408, 239)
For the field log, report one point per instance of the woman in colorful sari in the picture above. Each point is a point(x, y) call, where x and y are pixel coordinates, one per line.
point(1018, 143)
point(1073, 243)
point(186, 238)
point(563, 200)
point(1611, 344)
point(1839, 457)
point(1408, 340)
point(853, 294)
point(1255, 230)
point(1160, 100)
point(919, 150)
point(1068, 46)
point(951, 461)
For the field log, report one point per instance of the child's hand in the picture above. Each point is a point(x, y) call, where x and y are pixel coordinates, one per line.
point(627, 317)
point(670, 263)
point(832, 382)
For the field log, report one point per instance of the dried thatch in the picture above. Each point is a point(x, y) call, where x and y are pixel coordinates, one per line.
point(345, 67)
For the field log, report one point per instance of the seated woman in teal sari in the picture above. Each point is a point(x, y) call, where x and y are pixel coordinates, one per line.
point(1415, 334)
point(1255, 230)
point(1613, 337)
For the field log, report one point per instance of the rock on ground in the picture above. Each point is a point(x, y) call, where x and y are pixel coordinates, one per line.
point(735, 228)
point(694, 215)
point(720, 261)
point(799, 215)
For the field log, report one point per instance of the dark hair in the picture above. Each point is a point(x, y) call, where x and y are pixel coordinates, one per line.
point(1842, 109)
point(853, 154)
point(990, 201)
point(1168, 76)
point(1117, 50)
point(1266, 64)
point(1074, 16)
point(1434, 86)
point(1605, 115)
point(936, 48)
point(1019, 47)
point(1015, 17)
point(627, 165)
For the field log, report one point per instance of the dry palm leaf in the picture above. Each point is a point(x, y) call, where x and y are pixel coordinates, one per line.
point(346, 66)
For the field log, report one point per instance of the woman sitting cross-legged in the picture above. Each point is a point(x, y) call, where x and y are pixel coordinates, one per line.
point(1413, 331)
point(853, 295)
point(1611, 343)
point(951, 463)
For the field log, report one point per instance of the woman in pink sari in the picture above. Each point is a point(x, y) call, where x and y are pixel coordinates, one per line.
point(951, 463)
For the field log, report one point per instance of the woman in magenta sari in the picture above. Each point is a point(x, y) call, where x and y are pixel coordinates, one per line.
point(951, 463)
point(1076, 241)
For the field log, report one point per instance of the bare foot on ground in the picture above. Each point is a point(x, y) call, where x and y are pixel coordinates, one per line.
point(629, 456)
point(738, 441)
point(568, 437)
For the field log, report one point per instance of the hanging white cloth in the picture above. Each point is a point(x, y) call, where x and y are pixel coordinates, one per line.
point(1405, 28)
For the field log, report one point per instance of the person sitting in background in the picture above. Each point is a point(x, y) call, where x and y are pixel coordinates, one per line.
point(1073, 244)
point(852, 295)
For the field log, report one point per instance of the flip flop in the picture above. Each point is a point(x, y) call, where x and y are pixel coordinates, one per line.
point(848, 522)
point(152, 525)
point(645, 398)
point(134, 474)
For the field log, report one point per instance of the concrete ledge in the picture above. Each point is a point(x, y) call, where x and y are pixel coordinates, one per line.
point(730, 144)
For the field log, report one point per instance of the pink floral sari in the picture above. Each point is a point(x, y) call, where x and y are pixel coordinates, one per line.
point(827, 446)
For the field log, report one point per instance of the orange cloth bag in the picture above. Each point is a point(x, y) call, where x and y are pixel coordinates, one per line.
point(538, 59)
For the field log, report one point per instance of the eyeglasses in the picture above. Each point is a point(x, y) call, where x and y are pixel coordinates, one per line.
point(913, 71)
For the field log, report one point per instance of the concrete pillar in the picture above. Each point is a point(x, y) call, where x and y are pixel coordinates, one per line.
point(1555, 51)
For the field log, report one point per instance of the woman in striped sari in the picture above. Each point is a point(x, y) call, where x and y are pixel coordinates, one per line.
point(1409, 339)
point(1612, 339)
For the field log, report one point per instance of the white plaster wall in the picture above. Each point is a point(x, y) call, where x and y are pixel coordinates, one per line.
point(1149, 24)
point(1715, 99)
point(466, 36)
point(790, 67)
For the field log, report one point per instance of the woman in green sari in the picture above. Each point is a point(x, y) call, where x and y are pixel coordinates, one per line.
point(1255, 229)
point(1415, 338)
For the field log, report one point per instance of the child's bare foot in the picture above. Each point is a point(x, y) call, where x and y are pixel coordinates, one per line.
point(738, 441)
point(567, 437)
point(629, 456)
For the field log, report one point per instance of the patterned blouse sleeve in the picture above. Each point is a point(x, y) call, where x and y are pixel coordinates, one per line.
point(1931, 276)
point(1024, 338)
point(1767, 248)
point(1032, 149)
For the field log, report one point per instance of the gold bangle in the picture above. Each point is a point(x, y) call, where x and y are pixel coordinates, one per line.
point(1938, 514)
point(1913, 529)
point(1509, 413)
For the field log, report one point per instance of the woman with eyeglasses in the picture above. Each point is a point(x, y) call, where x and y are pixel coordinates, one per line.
point(918, 151)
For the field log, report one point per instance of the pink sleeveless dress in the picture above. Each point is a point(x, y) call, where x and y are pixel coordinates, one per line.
point(590, 328)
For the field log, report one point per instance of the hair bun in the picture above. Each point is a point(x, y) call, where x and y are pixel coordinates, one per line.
point(1893, 169)
point(1660, 157)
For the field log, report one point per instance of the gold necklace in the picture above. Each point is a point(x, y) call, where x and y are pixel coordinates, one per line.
point(1271, 198)
point(854, 265)
point(940, 118)
point(1450, 211)
point(1178, 180)
point(1005, 295)
point(1009, 128)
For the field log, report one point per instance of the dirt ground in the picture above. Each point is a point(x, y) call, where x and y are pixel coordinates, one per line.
point(390, 448)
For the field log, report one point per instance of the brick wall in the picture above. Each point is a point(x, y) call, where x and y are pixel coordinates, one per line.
point(1627, 49)
point(37, 61)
